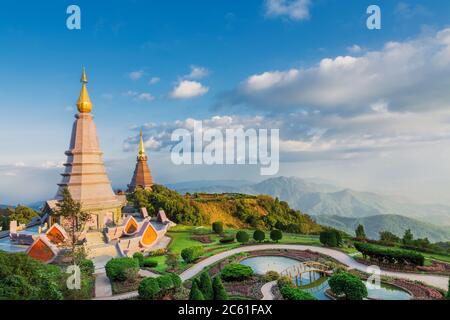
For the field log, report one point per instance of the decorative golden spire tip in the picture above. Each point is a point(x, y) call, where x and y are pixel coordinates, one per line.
point(84, 103)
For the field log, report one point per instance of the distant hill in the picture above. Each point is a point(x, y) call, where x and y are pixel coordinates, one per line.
point(392, 223)
point(319, 198)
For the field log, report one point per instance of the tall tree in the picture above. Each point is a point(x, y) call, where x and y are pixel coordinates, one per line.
point(219, 291)
point(408, 237)
point(74, 222)
point(205, 286)
point(360, 232)
point(195, 293)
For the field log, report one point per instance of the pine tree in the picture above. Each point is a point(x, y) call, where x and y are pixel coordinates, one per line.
point(205, 286)
point(448, 291)
point(219, 291)
point(360, 232)
point(195, 293)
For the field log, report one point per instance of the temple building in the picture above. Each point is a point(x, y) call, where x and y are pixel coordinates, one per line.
point(85, 174)
point(142, 178)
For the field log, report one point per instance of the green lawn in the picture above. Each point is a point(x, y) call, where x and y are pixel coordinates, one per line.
point(182, 238)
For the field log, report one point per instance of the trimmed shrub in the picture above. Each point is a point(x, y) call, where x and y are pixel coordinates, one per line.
point(205, 286)
point(195, 293)
point(149, 289)
point(276, 235)
point(219, 291)
point(217, 227)
point(121, 269)
point(229, 239)
point(236, 272)
point(139, 257)
point(165, 282)
point(259, 235)
point(347, 284)
point(291, 293)
point(176, 280)
point(271, 276)
point(285, 281)
point(390, 255)
point(149, 263)
point(87, 266)
point(242, 237)
point(191, 254)
point(331, 238)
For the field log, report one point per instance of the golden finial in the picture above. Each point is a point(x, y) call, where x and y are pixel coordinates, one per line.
point(84, 103)
point(141, 145)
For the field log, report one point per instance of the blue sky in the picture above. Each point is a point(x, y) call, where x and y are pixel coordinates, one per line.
point(138, 52)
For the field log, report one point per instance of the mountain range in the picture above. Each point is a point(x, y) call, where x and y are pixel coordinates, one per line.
point(342, 208)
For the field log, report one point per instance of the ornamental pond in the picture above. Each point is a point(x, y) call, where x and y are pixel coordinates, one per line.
point(315, 283)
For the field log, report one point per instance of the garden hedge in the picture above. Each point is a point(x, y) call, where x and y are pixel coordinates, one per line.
point(121, 269)
point(291, 293)
point(390, 255)
point(236, 272)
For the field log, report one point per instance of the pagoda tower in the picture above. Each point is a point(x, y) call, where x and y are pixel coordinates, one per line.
point(142, 178)
point(85, 174)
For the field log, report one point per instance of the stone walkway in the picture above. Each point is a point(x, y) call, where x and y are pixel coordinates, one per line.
point(103, 287)
point(266, 290)
point(433, 280)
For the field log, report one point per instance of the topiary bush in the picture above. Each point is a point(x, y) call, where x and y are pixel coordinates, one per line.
point(205, 286)
point(219, 291)
point(149, 263)
point(271, 276)
point(195, 293)
point(176, 280)
point(259, 235)
point(291, 293)
point(191, 254)
point(276, 235)
point(347, 284)
point(236, 272)
point(149, 289)
point(242, 237)
point(331, 238)
point(121, 269)
point(225, 240)
point(165, 282)
point(139, 257)
point(217, 227)
point(87, 266)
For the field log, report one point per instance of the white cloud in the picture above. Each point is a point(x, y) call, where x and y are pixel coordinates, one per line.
point(197, 73)
point(136, 75)
point(409, 76)
point(154, 80)
point(188, 89)
point(137, 96)
point(293, 9)
point(354, 49)
point(145, 97)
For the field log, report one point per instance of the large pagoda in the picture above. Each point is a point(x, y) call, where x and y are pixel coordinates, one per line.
point(142, 178)
point(85, 174)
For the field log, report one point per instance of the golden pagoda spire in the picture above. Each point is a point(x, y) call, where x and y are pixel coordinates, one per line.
point(141, 145)
point(84, 103)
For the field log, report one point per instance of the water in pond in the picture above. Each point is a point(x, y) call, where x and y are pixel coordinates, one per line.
point(315, 283)
point(261, 265)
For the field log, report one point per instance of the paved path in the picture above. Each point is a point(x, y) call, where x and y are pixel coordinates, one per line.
point(266, 290)
point(103, 287)
point(433, 280)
